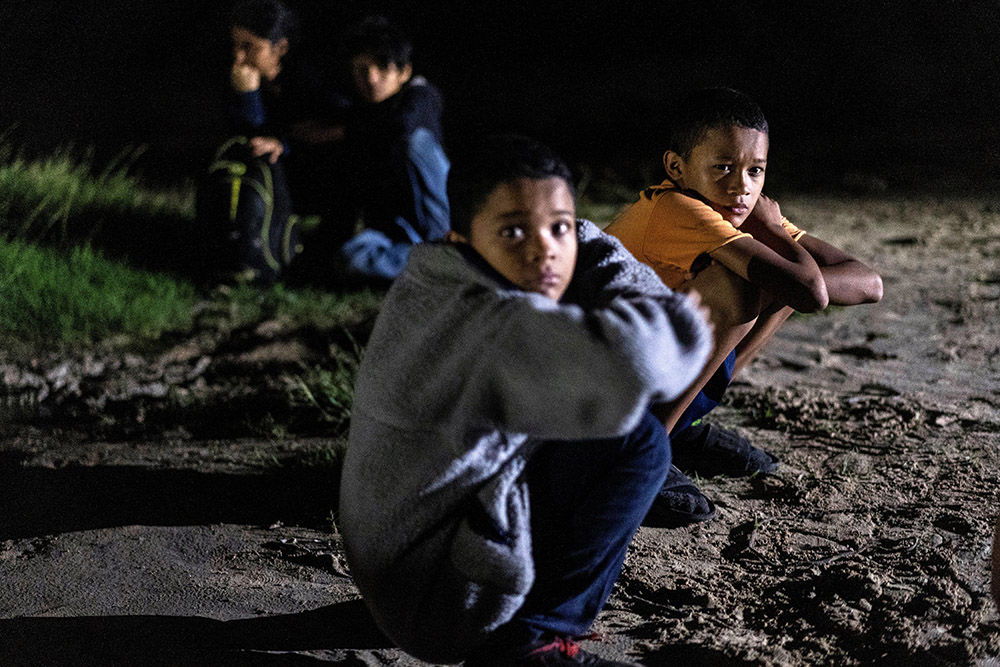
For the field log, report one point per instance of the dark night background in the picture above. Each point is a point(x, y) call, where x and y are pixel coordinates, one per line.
point(905, 92)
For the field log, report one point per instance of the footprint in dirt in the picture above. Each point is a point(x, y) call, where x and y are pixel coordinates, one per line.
point(742, 542)
point(953, 523)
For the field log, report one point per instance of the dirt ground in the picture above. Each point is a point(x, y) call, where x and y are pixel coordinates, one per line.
point(174, 507)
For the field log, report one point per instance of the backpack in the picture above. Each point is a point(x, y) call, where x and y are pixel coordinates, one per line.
point(245, 212)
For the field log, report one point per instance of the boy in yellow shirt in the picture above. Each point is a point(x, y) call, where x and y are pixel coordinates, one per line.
point(708, 229)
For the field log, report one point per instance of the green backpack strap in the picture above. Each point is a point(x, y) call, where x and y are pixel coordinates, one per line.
point(235, 169)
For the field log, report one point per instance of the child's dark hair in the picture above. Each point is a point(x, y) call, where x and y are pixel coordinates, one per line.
point(711, 108)
point(493, 161)
point(269, 19)
point(377, 37)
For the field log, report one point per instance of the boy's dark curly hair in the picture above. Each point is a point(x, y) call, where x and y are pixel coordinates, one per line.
point(377, 37)
point(711, 108)
point(269, 19)
point(493, 161)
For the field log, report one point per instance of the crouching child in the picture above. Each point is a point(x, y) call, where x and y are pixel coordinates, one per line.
point(709, 229)
point(502, 453)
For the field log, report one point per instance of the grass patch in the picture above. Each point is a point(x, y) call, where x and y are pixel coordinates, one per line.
point(300, 307)
point(78, 295)
point(826, 312)
point(329, 392)
point(65, 200)
point(330, 457)
point(89, 253)
point(57, 197)
point(63, 225)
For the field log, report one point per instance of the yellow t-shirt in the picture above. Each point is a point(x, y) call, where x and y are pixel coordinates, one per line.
point(669, 230)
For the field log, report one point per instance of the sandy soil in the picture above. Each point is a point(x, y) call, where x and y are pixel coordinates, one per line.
point(172, 507)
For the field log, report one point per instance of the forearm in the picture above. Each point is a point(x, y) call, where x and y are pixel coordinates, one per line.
point(608, 366)
point(798, 280)
point(851, 283)
point(792, 277)
point(773, 235)
point(802, 290)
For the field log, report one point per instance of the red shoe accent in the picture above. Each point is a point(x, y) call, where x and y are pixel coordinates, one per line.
point(567, 647)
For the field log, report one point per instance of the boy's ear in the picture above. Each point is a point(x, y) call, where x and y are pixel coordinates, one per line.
point(454, 237)
point(281, 46)
point(674, 164)
point(407, 72)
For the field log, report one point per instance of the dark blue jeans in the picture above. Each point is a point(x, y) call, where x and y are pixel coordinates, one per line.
point(380, 252)
point(587, 500)
point(709, 397)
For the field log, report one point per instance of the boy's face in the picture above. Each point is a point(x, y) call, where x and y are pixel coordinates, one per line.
point(526, 230)
point(374, 83)
point(258, 52)
point(726, 168)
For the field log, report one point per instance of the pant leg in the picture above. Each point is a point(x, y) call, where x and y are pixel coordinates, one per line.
point(413, 209)
point(427, 172)
point(406, 197)
point(709, 397)
point(587, 500)
point(371, 256)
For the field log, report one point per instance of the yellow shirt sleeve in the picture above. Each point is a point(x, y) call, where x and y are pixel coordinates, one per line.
point(681, 229)
point(669, 230)
point(792, 230)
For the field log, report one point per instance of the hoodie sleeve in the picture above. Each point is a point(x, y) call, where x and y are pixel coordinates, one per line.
point(590, 370)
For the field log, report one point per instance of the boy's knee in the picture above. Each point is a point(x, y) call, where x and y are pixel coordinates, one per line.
point(371, 254)
point(731, 300)
point(655, 445)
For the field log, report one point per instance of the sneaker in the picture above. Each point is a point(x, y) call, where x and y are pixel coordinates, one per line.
point(710, 450)
point(546, 653)
point(679, 503)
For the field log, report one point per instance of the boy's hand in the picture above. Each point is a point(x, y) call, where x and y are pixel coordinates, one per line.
point(315, 132)
point(766, 212)
point(695, 298)
point(244, 78)
point(269, 146)
point(764, 225)
point(774, 261)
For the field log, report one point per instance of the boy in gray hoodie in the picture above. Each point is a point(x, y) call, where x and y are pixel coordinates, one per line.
point(502, 453)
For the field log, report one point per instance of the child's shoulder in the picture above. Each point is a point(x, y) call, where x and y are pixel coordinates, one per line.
point(419, 91)
point(668, 205)
point(666, 197)
point(661, 208)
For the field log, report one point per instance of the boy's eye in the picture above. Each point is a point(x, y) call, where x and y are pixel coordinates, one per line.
point(562, 228)
point(512, 233)
point(722, 167)
point(755, 171)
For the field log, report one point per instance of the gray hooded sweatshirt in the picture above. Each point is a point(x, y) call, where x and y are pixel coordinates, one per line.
point(463, 375)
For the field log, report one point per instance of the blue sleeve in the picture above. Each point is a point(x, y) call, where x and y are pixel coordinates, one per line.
point(421, 107)
point(247, 110)
point(249, 116)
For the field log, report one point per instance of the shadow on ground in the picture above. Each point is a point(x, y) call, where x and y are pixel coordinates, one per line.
point(180, 641)
point(42, 501)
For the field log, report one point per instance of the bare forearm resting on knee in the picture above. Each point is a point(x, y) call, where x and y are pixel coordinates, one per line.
point(795, 282)
point(804, 290)
point(848, 281)
point(851, 284)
